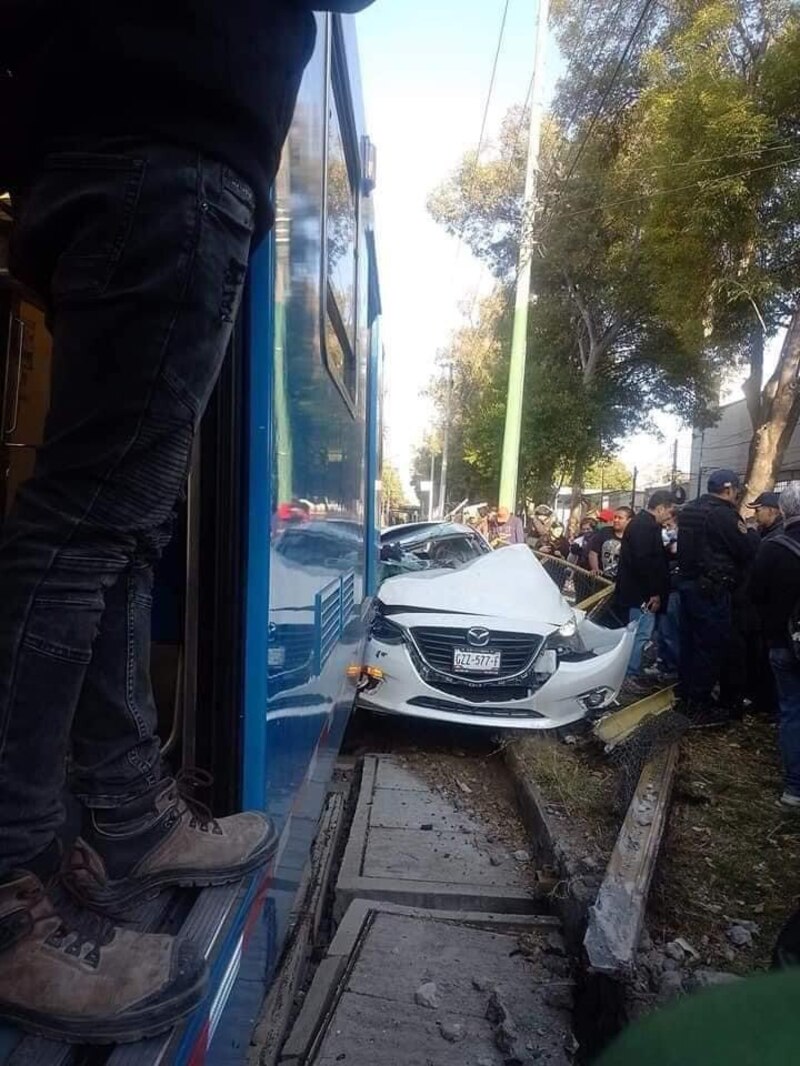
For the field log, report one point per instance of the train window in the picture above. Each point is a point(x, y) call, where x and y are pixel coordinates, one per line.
point(341, 236)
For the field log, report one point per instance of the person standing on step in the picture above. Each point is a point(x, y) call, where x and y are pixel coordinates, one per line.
point(139, 142)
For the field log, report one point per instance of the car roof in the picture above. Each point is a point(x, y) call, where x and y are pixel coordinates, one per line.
point(414, 532)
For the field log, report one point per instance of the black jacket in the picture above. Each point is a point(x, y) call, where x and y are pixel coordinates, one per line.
point(713, 542)
point(775, 586)
point(643, 564)
point(771, 531)
point(217, 76)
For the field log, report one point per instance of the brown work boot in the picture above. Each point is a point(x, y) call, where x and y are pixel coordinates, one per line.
point(69, 974)
point(161, 841)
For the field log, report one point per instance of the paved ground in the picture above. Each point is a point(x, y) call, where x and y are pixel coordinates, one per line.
point(411, 844)
point(439, 958)
point(416, 988)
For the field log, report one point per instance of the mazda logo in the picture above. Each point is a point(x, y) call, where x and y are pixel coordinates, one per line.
point(478, 637)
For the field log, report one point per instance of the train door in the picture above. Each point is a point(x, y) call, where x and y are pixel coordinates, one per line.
point(197, 641)
point(198, 582)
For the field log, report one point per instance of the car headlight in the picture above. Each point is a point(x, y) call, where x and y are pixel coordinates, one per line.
point(385, 631)
point(566, 642)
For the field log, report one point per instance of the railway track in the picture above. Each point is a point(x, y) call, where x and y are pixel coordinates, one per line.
point(445, 841)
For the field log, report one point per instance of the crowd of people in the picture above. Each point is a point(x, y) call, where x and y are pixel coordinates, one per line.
point(714, 599)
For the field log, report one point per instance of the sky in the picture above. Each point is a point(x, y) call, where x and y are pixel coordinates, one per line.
point(426, 70)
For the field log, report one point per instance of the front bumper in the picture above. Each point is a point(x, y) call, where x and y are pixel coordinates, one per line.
point(557, 702)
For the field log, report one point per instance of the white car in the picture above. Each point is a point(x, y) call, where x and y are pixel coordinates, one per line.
point(489, 641)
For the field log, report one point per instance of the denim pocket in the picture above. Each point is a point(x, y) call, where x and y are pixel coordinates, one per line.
point(236, 202)
point(76, 220)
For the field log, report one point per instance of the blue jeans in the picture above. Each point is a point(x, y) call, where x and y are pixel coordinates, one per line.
point(139, 259)
point(644, 633)
point(669, 634)
point(705, 633)
point(786, 670)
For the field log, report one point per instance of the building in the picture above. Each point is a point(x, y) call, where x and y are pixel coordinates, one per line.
point(610, 500)
point(727, 444)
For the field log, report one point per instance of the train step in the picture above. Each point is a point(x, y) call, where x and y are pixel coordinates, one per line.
point(216, 920)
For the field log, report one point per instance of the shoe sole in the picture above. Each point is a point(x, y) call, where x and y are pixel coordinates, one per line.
point(127, 1029)
point(131, 890)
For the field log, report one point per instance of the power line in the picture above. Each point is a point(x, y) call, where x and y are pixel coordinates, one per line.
point(482, 134)
point(704, 182)
point(522, 117)
point(609, 22)
point(718, 158)
point(521, 123)
point(507, 176)
point(492, 80)
point(604, 99)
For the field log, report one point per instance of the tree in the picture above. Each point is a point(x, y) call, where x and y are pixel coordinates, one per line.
point(720, 230)
point(599, 355)
point(667, 231)
point(392, 492)
point(609, 474)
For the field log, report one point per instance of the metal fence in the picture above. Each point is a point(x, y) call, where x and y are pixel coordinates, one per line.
point(583, 589)
point(654, 722)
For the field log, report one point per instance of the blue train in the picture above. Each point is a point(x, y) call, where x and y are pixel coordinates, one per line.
point(261, 604)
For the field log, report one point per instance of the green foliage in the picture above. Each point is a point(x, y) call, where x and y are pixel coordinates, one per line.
point(392, 491)
point(721, 176)
point(609, 474)
point(662, 253)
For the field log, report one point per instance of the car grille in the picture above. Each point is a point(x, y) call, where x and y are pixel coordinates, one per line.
point(436, 644)
point(483, 693)
point(431, 703)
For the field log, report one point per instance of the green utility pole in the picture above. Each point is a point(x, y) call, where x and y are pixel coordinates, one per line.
point(445, 443)
point(516, 375)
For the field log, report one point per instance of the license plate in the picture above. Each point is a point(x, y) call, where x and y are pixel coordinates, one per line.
point(276, 655)
point(476, 662)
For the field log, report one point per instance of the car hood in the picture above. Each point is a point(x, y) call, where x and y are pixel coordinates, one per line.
point(509, 583)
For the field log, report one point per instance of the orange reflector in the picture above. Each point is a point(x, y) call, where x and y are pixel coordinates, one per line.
point(374, 672)
point(354, 670)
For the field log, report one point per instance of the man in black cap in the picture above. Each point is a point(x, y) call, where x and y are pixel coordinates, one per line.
point(714, 551)
point(775, 589)
point(768, 514)
point(751, 651)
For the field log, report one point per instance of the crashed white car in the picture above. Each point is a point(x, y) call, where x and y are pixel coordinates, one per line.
point(490, 642)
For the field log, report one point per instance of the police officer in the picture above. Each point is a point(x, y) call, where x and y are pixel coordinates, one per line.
point(714, 551)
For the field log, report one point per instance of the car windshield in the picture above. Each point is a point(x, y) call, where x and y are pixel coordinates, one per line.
point(429, 548)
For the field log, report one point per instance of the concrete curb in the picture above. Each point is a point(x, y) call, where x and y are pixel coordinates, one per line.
point(575, 892)
point(617, 917)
